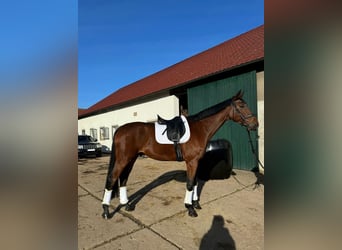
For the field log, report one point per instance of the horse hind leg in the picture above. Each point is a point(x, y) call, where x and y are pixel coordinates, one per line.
point(123, 185)
point(111, 184)
point(114, 170)
point(116, 180)
point(107, 196)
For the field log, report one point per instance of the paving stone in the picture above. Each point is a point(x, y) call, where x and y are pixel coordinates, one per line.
point(93, 230)
point(232, 214)
point(141, 240)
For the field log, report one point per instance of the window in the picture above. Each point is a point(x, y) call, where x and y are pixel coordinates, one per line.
point(93, 133)
point(83, 132)
point(104, 133)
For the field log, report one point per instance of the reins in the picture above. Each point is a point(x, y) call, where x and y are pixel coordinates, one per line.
point(244, 118)
point(253, 150)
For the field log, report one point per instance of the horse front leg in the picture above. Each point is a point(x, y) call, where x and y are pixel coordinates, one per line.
point(191, 190)
point(123, 185)
point(195, 198)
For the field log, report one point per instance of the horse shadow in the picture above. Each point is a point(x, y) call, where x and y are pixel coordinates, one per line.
point(218, 236)
point(177, 175)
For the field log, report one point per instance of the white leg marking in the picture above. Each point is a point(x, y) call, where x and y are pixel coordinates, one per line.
point(123, 195)
point(107, 196)
point(195, 197)
point(188, 197)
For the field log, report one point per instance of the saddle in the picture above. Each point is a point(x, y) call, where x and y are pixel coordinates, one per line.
point(175, 129)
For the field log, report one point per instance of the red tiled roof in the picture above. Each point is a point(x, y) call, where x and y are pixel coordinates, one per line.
point(81, 111)
point(243, 49)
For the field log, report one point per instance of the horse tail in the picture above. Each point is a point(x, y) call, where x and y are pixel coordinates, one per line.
point(109, 185)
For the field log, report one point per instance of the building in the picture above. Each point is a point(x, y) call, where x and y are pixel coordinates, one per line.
point(190, 86)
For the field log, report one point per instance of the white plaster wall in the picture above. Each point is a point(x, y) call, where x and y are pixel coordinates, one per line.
point(167, 107)
point(260, 97)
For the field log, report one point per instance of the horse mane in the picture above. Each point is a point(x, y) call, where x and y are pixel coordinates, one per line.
point(210, 111)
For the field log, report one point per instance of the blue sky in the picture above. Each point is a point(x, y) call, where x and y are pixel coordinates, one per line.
point(33, 35)
point(120, 42)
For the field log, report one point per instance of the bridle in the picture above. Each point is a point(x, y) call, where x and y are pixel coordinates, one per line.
point(243, 116)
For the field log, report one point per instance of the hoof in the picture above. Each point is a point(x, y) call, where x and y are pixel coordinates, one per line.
point(196, 204)
point(191, 211)
point(129, 207)
point(105, 213)
point(105, 216)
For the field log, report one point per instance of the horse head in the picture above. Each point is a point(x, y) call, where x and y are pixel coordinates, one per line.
point(242, 114)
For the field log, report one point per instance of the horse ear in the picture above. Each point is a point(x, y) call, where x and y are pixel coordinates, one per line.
point(239, 94)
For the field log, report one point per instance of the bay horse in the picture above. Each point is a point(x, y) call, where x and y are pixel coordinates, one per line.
point(136, 138)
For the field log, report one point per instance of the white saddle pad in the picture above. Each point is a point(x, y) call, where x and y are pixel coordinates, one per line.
point(162, 139)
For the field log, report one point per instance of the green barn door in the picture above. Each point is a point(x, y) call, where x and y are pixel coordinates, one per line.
point(209, 94)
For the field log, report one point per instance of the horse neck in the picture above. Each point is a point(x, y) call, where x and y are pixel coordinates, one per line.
point(212, 123)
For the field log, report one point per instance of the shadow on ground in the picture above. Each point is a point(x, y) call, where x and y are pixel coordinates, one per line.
point(177, 175)
point(218, 237)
